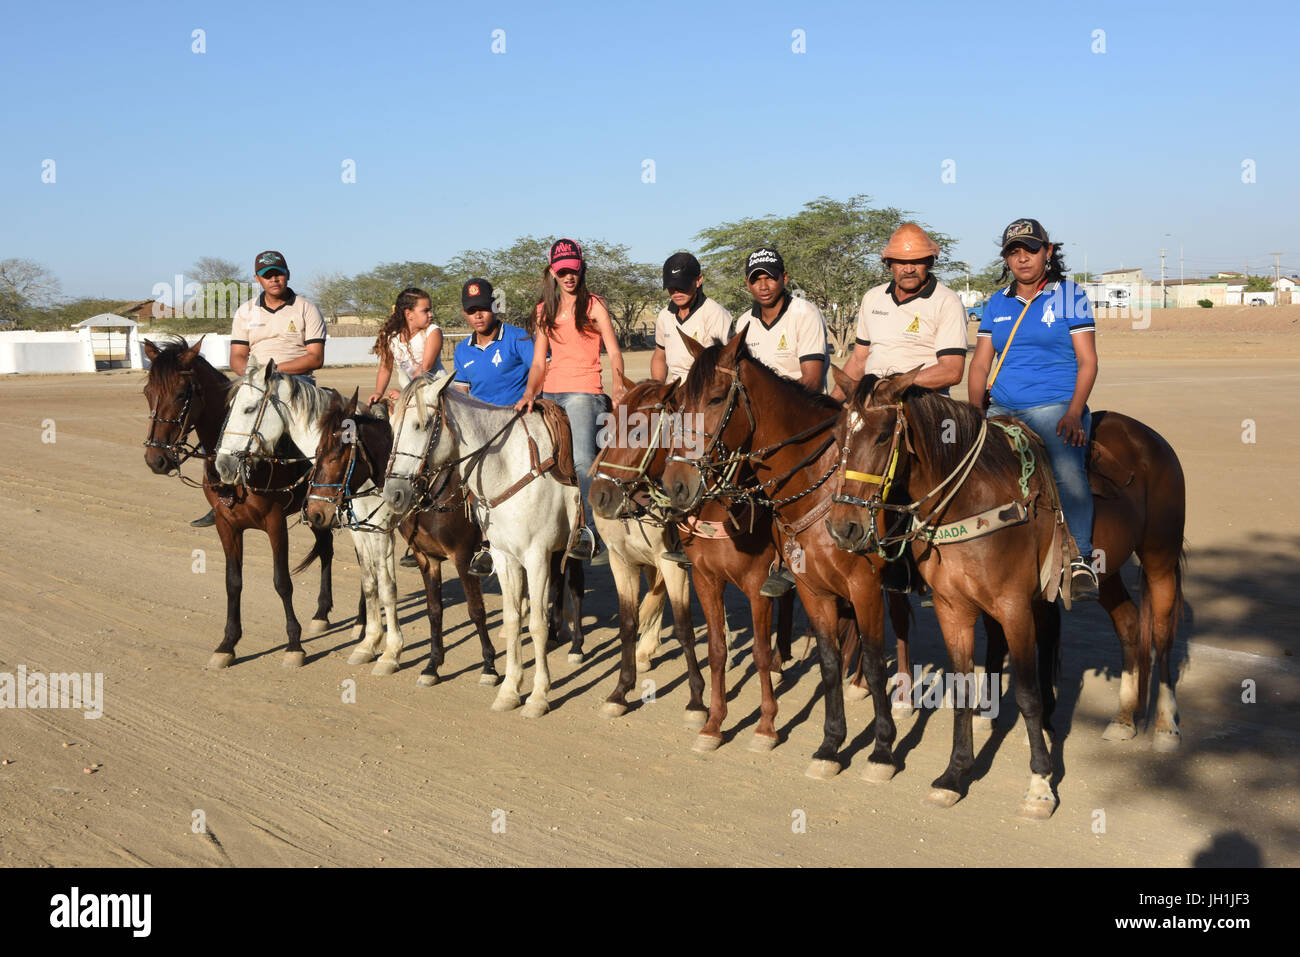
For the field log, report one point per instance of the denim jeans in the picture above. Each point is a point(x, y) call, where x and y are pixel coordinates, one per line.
point(1069, 465)
point(582, 409)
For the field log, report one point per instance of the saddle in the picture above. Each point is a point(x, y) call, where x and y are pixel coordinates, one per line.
point(561, 433)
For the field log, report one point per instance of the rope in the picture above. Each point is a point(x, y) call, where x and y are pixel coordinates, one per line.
point(1020, 442)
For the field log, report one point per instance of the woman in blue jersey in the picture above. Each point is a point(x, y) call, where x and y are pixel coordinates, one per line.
point(1046, 374)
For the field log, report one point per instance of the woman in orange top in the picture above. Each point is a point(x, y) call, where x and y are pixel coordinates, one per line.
point(569, 326)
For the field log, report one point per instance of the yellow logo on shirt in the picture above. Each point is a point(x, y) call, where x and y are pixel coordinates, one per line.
point(781, 344)
point(916, 324)
point(291, 326)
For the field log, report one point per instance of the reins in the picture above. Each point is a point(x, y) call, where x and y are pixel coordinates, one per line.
point(248, 457)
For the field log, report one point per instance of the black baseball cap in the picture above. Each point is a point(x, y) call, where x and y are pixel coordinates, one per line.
point(764, 259)
point(680, 272)
point(269, 260)
point(1026, 232)
point(476, 295)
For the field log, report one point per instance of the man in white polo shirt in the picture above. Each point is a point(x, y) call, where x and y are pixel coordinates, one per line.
point(912, 321)
point(690, 311)
point(279, 324)
point(787, 333)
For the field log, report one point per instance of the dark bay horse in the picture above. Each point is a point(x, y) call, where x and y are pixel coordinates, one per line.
point(625, 488)
point(187, 396)
point(354, 449)
point(754, 418)
point(982, 540)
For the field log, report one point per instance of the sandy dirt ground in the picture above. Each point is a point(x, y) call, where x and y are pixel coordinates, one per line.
point(98, 574)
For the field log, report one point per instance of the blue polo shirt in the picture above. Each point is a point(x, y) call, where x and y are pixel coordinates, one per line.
point(1041, 367)
point(498, 371)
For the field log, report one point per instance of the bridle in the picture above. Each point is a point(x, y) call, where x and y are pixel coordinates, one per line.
point(341, 499)
point(256, 449)
point(181, 450)
point(656, 509)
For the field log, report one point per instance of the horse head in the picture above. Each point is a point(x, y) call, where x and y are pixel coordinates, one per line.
point(420, 442)
point(634, 449)
point(175, 403)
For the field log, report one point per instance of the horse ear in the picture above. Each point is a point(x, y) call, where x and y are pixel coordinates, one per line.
point(440, 385)
point(844, 381)
point(728, 355)
point(891, 389)
point(672, 387)
point(192, 353)
point(150, 350)
point(694, 346)
point(628, 384)
point(351, 408)
point(270, 369)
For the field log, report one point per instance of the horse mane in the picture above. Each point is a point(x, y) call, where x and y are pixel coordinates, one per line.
point(634, 396)
point(332, 422)
point(415, 389)
point(165, 371)
point(302, 391)
point(705, 368)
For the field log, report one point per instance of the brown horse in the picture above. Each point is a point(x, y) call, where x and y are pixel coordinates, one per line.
point(187, 396)
point(625, 488)
point(352, 454)
point(988, 544)
point(755, 419)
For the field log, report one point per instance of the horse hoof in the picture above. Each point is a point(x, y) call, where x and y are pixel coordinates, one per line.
point(695, 719)
point(941, 797)
point(644, 664)
point(384, 667)
point(489, 679)
point(426, 680)
point(878, 773)
point(317, 625)
point(1040, 802)
point(294, 659)
point(822, 770)
point(901, 712)
point(361, 657)
point(535, 709)
point(1115, 731)
point(762, 743)
point(221, 659)
point(575, 657)
point(1166, 740)
point(705, 743)
point(505, 703)
point(856, 693)
point(613, 709)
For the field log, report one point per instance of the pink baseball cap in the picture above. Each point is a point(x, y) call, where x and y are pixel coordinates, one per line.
point(566, 254)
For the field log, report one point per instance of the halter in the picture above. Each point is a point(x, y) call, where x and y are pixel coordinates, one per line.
point(656, 510)
point(247, 457)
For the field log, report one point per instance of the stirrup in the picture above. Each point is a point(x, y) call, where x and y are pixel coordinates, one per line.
point(778, 583)
point(1083, 581)
point(677, 557)
point(480, 565)
point(584, 546)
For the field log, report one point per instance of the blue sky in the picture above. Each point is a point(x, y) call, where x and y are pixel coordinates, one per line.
point(163, 155)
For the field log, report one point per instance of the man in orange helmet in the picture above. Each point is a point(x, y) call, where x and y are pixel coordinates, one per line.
point(913, 321)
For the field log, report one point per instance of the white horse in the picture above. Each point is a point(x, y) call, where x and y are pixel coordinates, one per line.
point(489, 445)
point(266, 406)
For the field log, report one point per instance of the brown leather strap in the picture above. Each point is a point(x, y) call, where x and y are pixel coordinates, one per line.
point(539, 467)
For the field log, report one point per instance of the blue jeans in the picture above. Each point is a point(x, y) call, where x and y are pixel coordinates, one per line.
point(1069, 465)
point(582, 409)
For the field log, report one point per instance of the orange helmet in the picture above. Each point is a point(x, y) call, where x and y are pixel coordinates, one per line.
point(909, 242)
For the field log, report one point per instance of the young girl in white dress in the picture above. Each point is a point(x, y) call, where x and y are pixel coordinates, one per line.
point(409, 343)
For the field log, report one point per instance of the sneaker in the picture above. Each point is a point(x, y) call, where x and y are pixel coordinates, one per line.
point(584, 548)
point(206, 521)
point(480, 565)
point(778, 583)
point(1083, 581)
point(677, 558)
point(408, 561)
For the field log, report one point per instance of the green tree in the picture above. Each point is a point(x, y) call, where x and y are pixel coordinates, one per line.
point(333, 295)
point(26, 289)
point(1259, 284)
point(374, 292)
point(831, 250)
point(629, 288)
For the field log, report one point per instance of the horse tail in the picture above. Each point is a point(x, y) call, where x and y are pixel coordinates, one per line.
point(317, 550)
point(1146, 624)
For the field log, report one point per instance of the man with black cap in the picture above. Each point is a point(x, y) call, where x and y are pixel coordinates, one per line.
point(492, 363)
point(279, 324)
point(788, 334)
point(690, 311)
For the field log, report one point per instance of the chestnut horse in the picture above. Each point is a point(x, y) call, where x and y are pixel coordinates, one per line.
point(754, 418)
point(625, 489)
point(187, 396)
point(353, 451)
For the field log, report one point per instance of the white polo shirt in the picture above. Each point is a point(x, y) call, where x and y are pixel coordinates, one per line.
point(911, 333)
point(281, 334)
point(797, 334)
point(707, 322)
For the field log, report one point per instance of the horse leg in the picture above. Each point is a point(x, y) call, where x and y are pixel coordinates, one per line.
point(650, 617)
point(823, 618)
point(325, 599)
point(855, 688)
point(232, 542)
point(900, 616)
point(431, 573)
point(380, 550)
point(677, 585)
point(575, 583)
point(366, 650)
point(1160, 599)
point(477, 613)
point(359, 625)
point(708, 587)
point(995, 653)
point(1018, 623)
point(538, 571)
point(1047, 630)
point(869, 606)
point(1114, 597)
point(511, 576)
point(784, 631)
point(627, 581)
point(957, 621)
point(765, 736)
point(278, 533)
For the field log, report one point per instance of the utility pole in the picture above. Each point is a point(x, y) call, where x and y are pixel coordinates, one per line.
point(1277, 276)
point(1164, 294)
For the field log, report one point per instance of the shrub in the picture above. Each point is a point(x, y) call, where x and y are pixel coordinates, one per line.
point(1205, 303)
